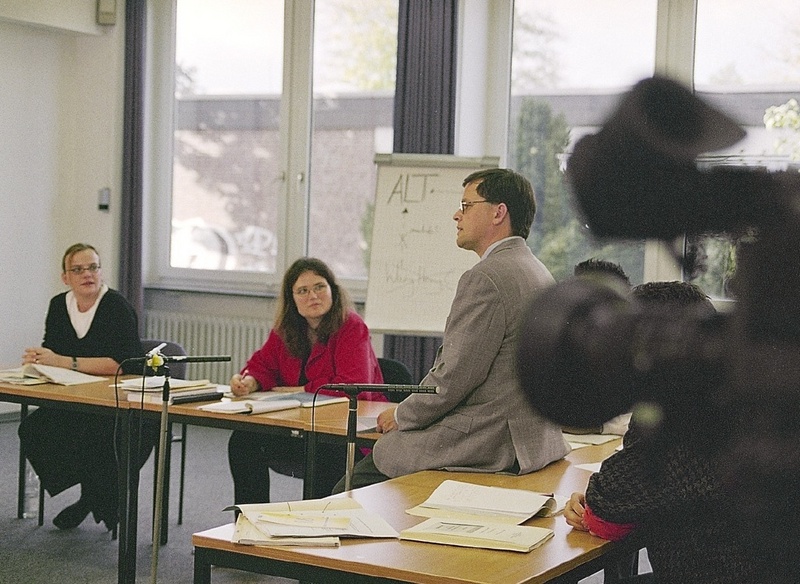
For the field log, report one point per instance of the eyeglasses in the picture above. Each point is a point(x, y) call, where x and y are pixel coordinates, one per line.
point(78, 270)
point(317, 289)
point(464, 205)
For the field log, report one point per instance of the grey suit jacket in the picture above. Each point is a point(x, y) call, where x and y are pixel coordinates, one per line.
point(480, 420)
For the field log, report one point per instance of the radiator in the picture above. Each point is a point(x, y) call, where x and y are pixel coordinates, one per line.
point(209, 335)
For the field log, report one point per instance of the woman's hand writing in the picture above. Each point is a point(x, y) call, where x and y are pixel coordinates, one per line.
point(573, 511)
point(243, 384)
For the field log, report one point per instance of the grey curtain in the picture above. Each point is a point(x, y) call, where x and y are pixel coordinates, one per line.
point(424, 119)
point(130, 256)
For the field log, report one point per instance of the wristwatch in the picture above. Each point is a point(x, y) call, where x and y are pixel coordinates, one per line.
point(74, 363)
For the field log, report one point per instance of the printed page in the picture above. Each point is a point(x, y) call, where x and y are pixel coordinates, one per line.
point(248, 534)
point(459, 500)
point(492, 536)
point(334, 517)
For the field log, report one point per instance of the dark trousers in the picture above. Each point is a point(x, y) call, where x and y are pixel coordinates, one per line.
point(69, 448)
point(252, 454)
point(364, 473)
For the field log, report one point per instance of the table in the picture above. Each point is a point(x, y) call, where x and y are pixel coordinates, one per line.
point(567, 557)
point(96, 398)
point(100, 398)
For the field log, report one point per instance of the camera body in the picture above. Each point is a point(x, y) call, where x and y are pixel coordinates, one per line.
point(587, 354)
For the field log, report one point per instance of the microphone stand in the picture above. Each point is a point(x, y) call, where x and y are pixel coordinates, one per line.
point(162, 459)
point(157, 362)
point(352, 391)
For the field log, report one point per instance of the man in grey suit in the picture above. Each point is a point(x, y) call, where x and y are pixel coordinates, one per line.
point(480, 420)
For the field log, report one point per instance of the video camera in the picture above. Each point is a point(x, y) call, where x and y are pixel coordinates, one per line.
point(587, 353)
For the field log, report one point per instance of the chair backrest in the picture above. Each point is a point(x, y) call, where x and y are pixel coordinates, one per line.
point(176, 370)
point(396, 372)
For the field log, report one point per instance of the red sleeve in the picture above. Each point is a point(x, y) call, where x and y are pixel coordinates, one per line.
point(605, 529)
point(350, 359)
point(272, 365)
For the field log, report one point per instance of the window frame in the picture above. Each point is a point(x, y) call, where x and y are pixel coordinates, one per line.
point(483, 77)
point(295, 140)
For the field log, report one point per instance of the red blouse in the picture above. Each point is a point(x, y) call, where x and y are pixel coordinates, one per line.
point(347, 357)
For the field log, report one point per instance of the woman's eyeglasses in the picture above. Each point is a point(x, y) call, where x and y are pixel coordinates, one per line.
point(316, 289)
point(78, 270)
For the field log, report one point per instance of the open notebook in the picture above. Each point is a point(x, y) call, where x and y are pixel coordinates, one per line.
point(271, 402)
point(35, 373)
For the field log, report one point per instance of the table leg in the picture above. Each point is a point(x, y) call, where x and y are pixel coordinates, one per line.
point(128, 484)
point(310, 443)
point(202, 567)
point(23, 412)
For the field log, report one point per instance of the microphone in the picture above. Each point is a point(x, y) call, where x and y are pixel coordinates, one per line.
point(195, 359)
point(356, 388)
point(156, 350)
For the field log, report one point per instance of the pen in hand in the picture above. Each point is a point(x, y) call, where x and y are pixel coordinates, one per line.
point(238, 385)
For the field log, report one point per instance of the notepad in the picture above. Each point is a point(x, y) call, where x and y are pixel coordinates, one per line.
point(250, 406)
point(516, 538)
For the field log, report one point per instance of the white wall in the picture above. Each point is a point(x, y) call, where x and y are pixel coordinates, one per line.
point(60, 120)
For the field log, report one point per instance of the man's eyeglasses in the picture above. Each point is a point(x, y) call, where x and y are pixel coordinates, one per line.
point(78, 270)
point(316, 289)
point(464, 205)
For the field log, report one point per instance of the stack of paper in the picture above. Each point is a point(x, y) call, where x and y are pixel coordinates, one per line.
point(155, 384)
point(150, 389)
point(313, 522)
point(470, 515)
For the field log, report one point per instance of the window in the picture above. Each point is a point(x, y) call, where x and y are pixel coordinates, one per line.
point(226, 147)
point(354, 81)
point(571, 60)
point(747, 63)
point(262, 170)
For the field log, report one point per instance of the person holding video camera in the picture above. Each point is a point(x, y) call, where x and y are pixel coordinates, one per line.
point(665, 488)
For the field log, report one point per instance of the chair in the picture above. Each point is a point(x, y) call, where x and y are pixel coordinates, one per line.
point(395, 372)
point(177, 371)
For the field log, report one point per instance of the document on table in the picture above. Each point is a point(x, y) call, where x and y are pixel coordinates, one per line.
point(155, 384)
point(456, 500)
point(46, 374)
point(517, 538)
point(310, 519)
point(593, 439)
point(269, 401)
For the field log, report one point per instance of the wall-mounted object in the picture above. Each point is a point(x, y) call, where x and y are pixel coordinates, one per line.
point(103, 199)
point(106, 11)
